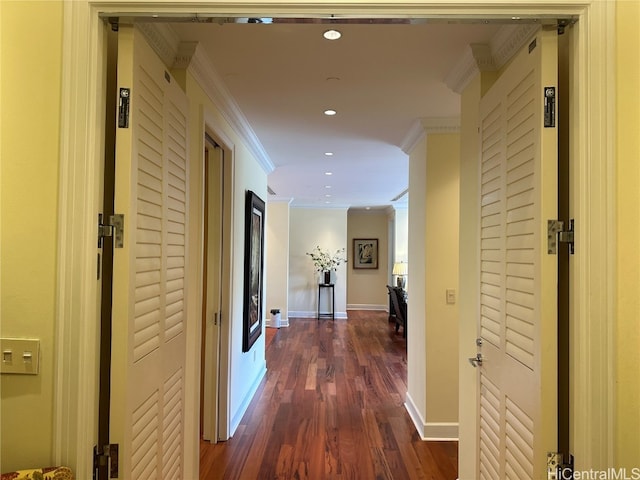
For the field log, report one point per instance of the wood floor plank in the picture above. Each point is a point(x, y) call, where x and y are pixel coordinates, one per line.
point(331, 407)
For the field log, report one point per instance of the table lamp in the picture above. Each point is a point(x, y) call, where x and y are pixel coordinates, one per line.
point(400, 269)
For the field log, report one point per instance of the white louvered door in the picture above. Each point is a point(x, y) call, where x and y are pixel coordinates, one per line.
point(149, 286)
point(518, 279)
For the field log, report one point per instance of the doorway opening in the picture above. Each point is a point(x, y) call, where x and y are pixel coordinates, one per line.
point(216, 305)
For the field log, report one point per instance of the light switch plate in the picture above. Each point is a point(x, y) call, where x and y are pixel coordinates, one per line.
point(20, 356)
point(451, 296)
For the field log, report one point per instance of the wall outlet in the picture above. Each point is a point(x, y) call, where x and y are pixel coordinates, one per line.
point(451, 296)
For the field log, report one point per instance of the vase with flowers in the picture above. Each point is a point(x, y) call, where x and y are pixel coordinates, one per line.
point(324, 261)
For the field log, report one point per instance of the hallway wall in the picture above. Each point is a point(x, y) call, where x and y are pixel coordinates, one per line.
point(245, 369)
point(367, 287)
point(31, 56)
point(326, 228)
point(441, 245)
point(277, 260)
point(432, 342)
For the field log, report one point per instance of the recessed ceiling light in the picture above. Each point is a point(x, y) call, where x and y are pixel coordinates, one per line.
point(330, 112)
point(327, 186)
point(329, 154)
point(332, 34)
point(328, 173)
point(327, 195)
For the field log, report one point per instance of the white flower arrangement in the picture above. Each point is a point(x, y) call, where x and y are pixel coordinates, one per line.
point(323, 261)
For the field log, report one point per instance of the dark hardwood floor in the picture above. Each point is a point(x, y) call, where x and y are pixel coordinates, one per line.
point(331, 407)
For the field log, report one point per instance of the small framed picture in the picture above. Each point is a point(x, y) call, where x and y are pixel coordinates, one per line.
point(365, 253)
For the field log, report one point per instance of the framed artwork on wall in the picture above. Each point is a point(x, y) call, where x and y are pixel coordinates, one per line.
point(253, 269)
point(365, 253)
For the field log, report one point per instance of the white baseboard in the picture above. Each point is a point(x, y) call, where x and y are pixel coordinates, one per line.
point(415, 415)
point(365, 306)
point(313, 314)
point(445, 431)
point(235, 421)
point(431, 431)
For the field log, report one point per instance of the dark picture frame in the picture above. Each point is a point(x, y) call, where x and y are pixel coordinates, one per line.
point(365, 253)
point(253, 269)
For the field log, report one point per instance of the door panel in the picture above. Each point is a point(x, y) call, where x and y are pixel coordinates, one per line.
point(214, 163)
point(517, 322)
point(148, 354)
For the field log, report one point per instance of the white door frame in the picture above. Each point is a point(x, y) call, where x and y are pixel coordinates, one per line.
point(212, 127)
point(81, 142)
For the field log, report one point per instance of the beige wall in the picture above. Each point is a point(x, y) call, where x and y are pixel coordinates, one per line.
point(441, 246)
point(31, 56)
point(432, 344)
point(366, 288)
point(327, 228)
point(277, 258)
point(245, 369)
point(627, 349)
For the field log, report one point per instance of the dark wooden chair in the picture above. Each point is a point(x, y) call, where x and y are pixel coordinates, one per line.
point(396, 294)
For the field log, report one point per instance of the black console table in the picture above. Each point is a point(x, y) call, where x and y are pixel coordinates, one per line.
point(332, 313)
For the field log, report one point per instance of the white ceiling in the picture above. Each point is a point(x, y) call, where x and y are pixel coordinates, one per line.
point(380, 78)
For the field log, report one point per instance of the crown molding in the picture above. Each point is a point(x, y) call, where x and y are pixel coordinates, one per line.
point(425, 126)
point(433, 125)
point(191, 56)
point(413, 136)
point(477, 58)
point(275, 199)
point(184, 54)
point(213, 85)
point(509, 39)
point(163, 40)
point(482, 58)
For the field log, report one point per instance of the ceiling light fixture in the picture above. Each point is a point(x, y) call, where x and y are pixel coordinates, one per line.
point(329, 154)
point(330, 112)
point(332, 34)
point(328, 173)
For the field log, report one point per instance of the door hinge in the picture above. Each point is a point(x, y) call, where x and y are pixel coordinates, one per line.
point(557, 234)
point(108, 457)
point(557, 468)
point(114, 227)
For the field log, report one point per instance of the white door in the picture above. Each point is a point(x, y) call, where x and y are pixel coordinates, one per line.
point(518, 279)
point(212, 295)
point(149, 286)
